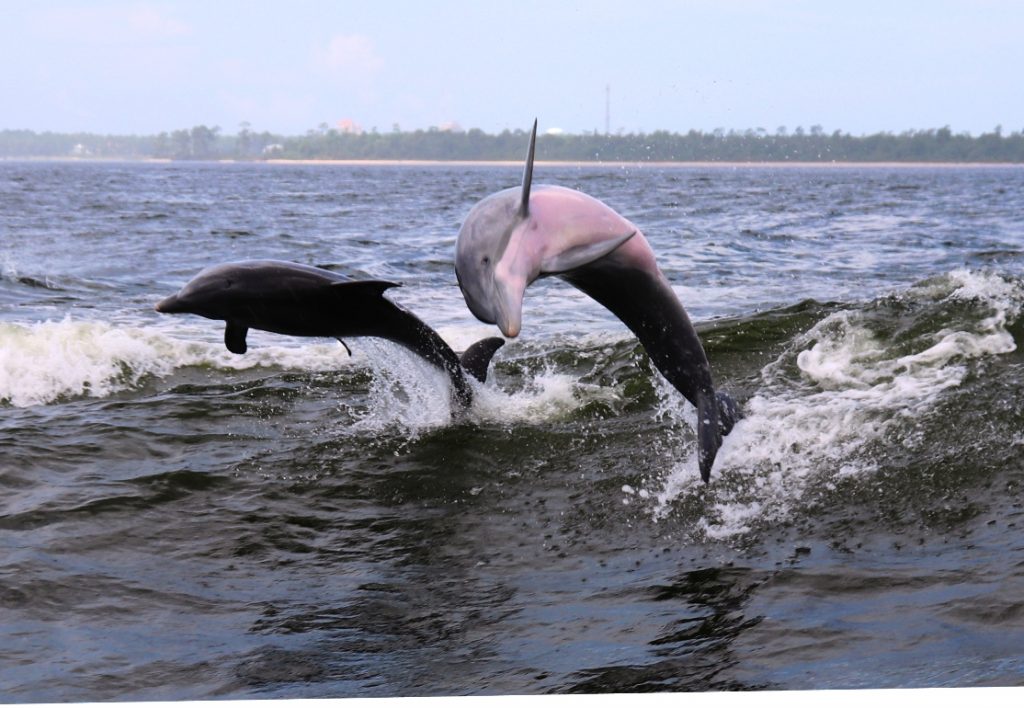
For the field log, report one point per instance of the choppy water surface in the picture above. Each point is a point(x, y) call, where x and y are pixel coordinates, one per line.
point(177, 522)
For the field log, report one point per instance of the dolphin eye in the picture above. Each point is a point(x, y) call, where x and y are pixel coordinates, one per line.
point(485, 260)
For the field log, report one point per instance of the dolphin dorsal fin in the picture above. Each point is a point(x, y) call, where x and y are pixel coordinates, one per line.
point(476, 359)
point(524, 200)
point(367, 287)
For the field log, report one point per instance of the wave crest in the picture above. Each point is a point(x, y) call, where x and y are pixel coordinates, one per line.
point(49, 361)
point(858, 381)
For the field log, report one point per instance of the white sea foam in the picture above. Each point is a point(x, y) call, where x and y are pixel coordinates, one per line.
point(49, 361)
point(851, 390)
point(407, 393)
point(548, 395)
point(46, 361)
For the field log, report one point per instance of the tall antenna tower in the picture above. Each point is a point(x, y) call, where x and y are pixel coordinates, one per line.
point(607, 109)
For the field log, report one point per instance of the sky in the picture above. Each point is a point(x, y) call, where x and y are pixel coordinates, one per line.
point(862, 66)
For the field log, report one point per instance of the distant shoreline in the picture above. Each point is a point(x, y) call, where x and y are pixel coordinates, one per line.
point(704, 164)
point(694, 148)
point(629, 164)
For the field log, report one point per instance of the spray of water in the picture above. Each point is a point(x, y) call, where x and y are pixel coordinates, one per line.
point(838, 389)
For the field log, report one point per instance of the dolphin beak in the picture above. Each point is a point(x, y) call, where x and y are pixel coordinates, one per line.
point(509, 308)
point(170, 305)
point(509, 327)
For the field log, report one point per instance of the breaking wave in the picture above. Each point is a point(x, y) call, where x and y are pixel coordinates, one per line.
point(830, 392)
point(55, 360)
point(859, 383)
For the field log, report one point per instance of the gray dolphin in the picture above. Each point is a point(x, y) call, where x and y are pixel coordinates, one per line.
point(303, 301)
point(514, 236)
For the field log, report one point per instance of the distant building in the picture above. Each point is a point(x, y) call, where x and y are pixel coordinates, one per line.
point(273, 149)
point(80, 150)
point(349, 127)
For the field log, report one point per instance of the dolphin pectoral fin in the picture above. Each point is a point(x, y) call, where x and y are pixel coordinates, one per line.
point(477, 358)
point(344, 345)
point(709, 437)
point(368, 288)
point(579, 256)
point(234, 337)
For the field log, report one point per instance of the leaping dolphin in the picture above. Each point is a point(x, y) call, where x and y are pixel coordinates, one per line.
point(514, 236)
point(303, 301)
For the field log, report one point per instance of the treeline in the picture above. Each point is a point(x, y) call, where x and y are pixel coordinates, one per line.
point(813, 145)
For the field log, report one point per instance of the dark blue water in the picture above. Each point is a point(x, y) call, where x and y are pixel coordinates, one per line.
point(178, 522)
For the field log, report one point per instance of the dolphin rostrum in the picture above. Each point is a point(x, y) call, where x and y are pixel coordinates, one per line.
point(514, 236)
point(303, 301)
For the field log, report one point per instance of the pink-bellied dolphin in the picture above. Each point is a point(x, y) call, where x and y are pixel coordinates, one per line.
point(303, 301)
point(514, 236)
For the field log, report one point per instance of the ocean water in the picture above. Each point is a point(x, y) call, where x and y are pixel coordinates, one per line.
point(178, 522)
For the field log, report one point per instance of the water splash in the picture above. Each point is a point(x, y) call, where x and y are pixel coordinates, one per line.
point(547, 395)
point(404, 391)
point(407, 393)
point(849, 383)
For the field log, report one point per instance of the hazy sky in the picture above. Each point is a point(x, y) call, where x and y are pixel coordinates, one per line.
point(861, 66)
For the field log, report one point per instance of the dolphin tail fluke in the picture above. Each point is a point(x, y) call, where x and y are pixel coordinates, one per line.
point(728, 412)
point(709, 436)
point(477, 358)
